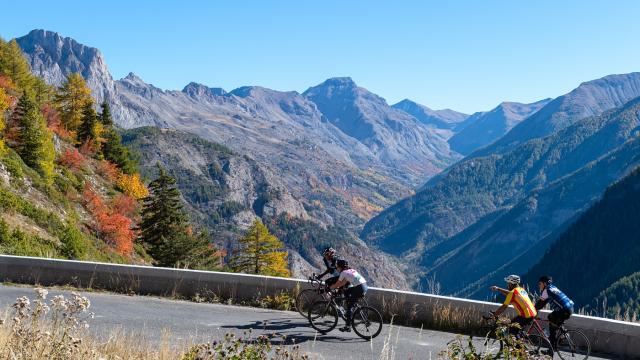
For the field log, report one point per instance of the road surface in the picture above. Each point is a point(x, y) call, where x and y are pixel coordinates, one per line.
point(200, 322)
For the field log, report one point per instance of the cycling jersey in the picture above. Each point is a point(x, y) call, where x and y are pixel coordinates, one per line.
point(519, 298)
point(331, 266)
point(559, 301)
point(353, 277)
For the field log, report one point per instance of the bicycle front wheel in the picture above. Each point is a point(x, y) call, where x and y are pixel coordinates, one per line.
point(537, 345)
point(366, 322)
point(323, 316)
point(305, 299)
point(573, 345)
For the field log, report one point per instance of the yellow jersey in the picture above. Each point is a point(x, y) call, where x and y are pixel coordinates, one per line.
point(519, 298)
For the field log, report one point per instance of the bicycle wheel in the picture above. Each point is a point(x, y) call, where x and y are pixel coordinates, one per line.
point(305, 299)
point(537, 345)
point(573, 344)
point(323, 316)
point(366, 322)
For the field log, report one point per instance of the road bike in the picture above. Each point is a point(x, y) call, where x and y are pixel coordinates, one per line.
point(307, 297)
point(570, 343)
point(323, 316)
point(500, 342)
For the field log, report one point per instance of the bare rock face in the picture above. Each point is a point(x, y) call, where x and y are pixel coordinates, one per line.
point(53, 57)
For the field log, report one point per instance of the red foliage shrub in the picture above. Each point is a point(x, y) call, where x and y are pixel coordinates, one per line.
point(89, 148)
point(125, 205)
point(108, 170)
point(53, 122)
point(72, 159)
point(115, 227)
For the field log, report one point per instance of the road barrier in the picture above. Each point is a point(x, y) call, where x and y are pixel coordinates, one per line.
point(402, 307)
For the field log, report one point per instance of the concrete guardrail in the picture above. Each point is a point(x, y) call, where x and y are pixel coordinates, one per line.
point(402, 307)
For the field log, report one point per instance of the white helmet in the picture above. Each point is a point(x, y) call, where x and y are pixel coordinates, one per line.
point(513, 279)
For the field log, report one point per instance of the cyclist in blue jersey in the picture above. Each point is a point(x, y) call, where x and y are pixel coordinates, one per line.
point(329, 258)
point(561, 305)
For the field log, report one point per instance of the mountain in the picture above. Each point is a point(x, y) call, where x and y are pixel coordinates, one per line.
point(225, 192)
point(445, 119)
point(484, 211)
point(589, 99)
point(486, 127)
point(395, 137)
point(598, 249)
point(620, 300)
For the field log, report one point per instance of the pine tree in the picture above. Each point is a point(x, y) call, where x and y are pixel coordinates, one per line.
point(105, 115)
point(14, 64)
point(87, 130)
point(260, 253)
point(112, 148)
point(71, 99)
point(35, 143)
point(165, 230)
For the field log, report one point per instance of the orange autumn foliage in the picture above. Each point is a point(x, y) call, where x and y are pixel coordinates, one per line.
point(125, 205)
point(115, 227)
point(72, 159)
point(108, 170)
point(52, 117)
point(133, 186)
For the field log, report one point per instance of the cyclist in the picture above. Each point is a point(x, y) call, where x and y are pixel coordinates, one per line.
point(329, 258)
point(561, 305)
point(357, 288)
point(518, 297)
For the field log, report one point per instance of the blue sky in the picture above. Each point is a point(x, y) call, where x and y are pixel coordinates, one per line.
point(465, 55)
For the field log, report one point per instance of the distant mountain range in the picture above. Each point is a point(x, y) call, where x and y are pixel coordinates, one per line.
point(597, 259)
point(468, 225)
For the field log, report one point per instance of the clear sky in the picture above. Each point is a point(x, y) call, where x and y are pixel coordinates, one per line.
point(465, 55)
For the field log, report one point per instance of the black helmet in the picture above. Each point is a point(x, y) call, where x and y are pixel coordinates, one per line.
point(342, 263)
point(545, 280)
point(328, 250)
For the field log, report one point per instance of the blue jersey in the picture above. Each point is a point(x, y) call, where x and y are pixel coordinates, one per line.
point(559, 301)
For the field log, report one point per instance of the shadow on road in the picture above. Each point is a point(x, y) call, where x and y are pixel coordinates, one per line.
point(279, 332)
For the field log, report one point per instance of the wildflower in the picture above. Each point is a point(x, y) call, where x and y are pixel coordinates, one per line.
point(42, 293)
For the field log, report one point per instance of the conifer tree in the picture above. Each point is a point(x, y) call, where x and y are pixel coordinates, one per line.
point(35, 143)
point(71, 99)
point(260, 253)
point(165, 230)
point(87, 130)
point(112, 148)
point(105, 115)
point(14, 64)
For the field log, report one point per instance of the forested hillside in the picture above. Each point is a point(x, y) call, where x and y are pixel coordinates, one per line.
point(70, 189)
point(594, 259)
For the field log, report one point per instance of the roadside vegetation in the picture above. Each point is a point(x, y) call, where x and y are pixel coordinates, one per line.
point(60, 329)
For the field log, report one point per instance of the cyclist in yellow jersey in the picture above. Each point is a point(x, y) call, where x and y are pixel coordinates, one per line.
point(518, 297)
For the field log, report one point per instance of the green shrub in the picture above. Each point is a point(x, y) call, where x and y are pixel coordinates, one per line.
point(74, 245)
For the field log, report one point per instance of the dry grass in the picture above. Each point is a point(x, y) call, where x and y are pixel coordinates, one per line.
point(57, 329)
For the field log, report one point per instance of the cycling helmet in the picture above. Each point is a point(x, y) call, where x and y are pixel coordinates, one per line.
point(328, 250)
point(545, 279)
point(513, 279)
point(342, 263)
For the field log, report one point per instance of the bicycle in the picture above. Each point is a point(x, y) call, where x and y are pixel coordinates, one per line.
point(570, 344)
point(308, 296)
point(366, 321)
point(499, 341)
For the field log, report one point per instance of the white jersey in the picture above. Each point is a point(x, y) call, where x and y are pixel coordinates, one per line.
point(353, 277)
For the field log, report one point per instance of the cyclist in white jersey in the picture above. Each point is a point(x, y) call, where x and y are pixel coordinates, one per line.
point(357, 288)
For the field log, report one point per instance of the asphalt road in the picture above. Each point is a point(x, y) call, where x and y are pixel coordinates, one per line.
point(198, 322)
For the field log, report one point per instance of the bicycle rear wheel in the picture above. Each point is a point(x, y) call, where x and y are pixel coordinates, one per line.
point(366, 322)
point(573, 345)
point(323, 316)
point(305, 299)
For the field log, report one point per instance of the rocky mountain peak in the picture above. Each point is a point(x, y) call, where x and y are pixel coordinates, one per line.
point(197, 90)
point(53, 57)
